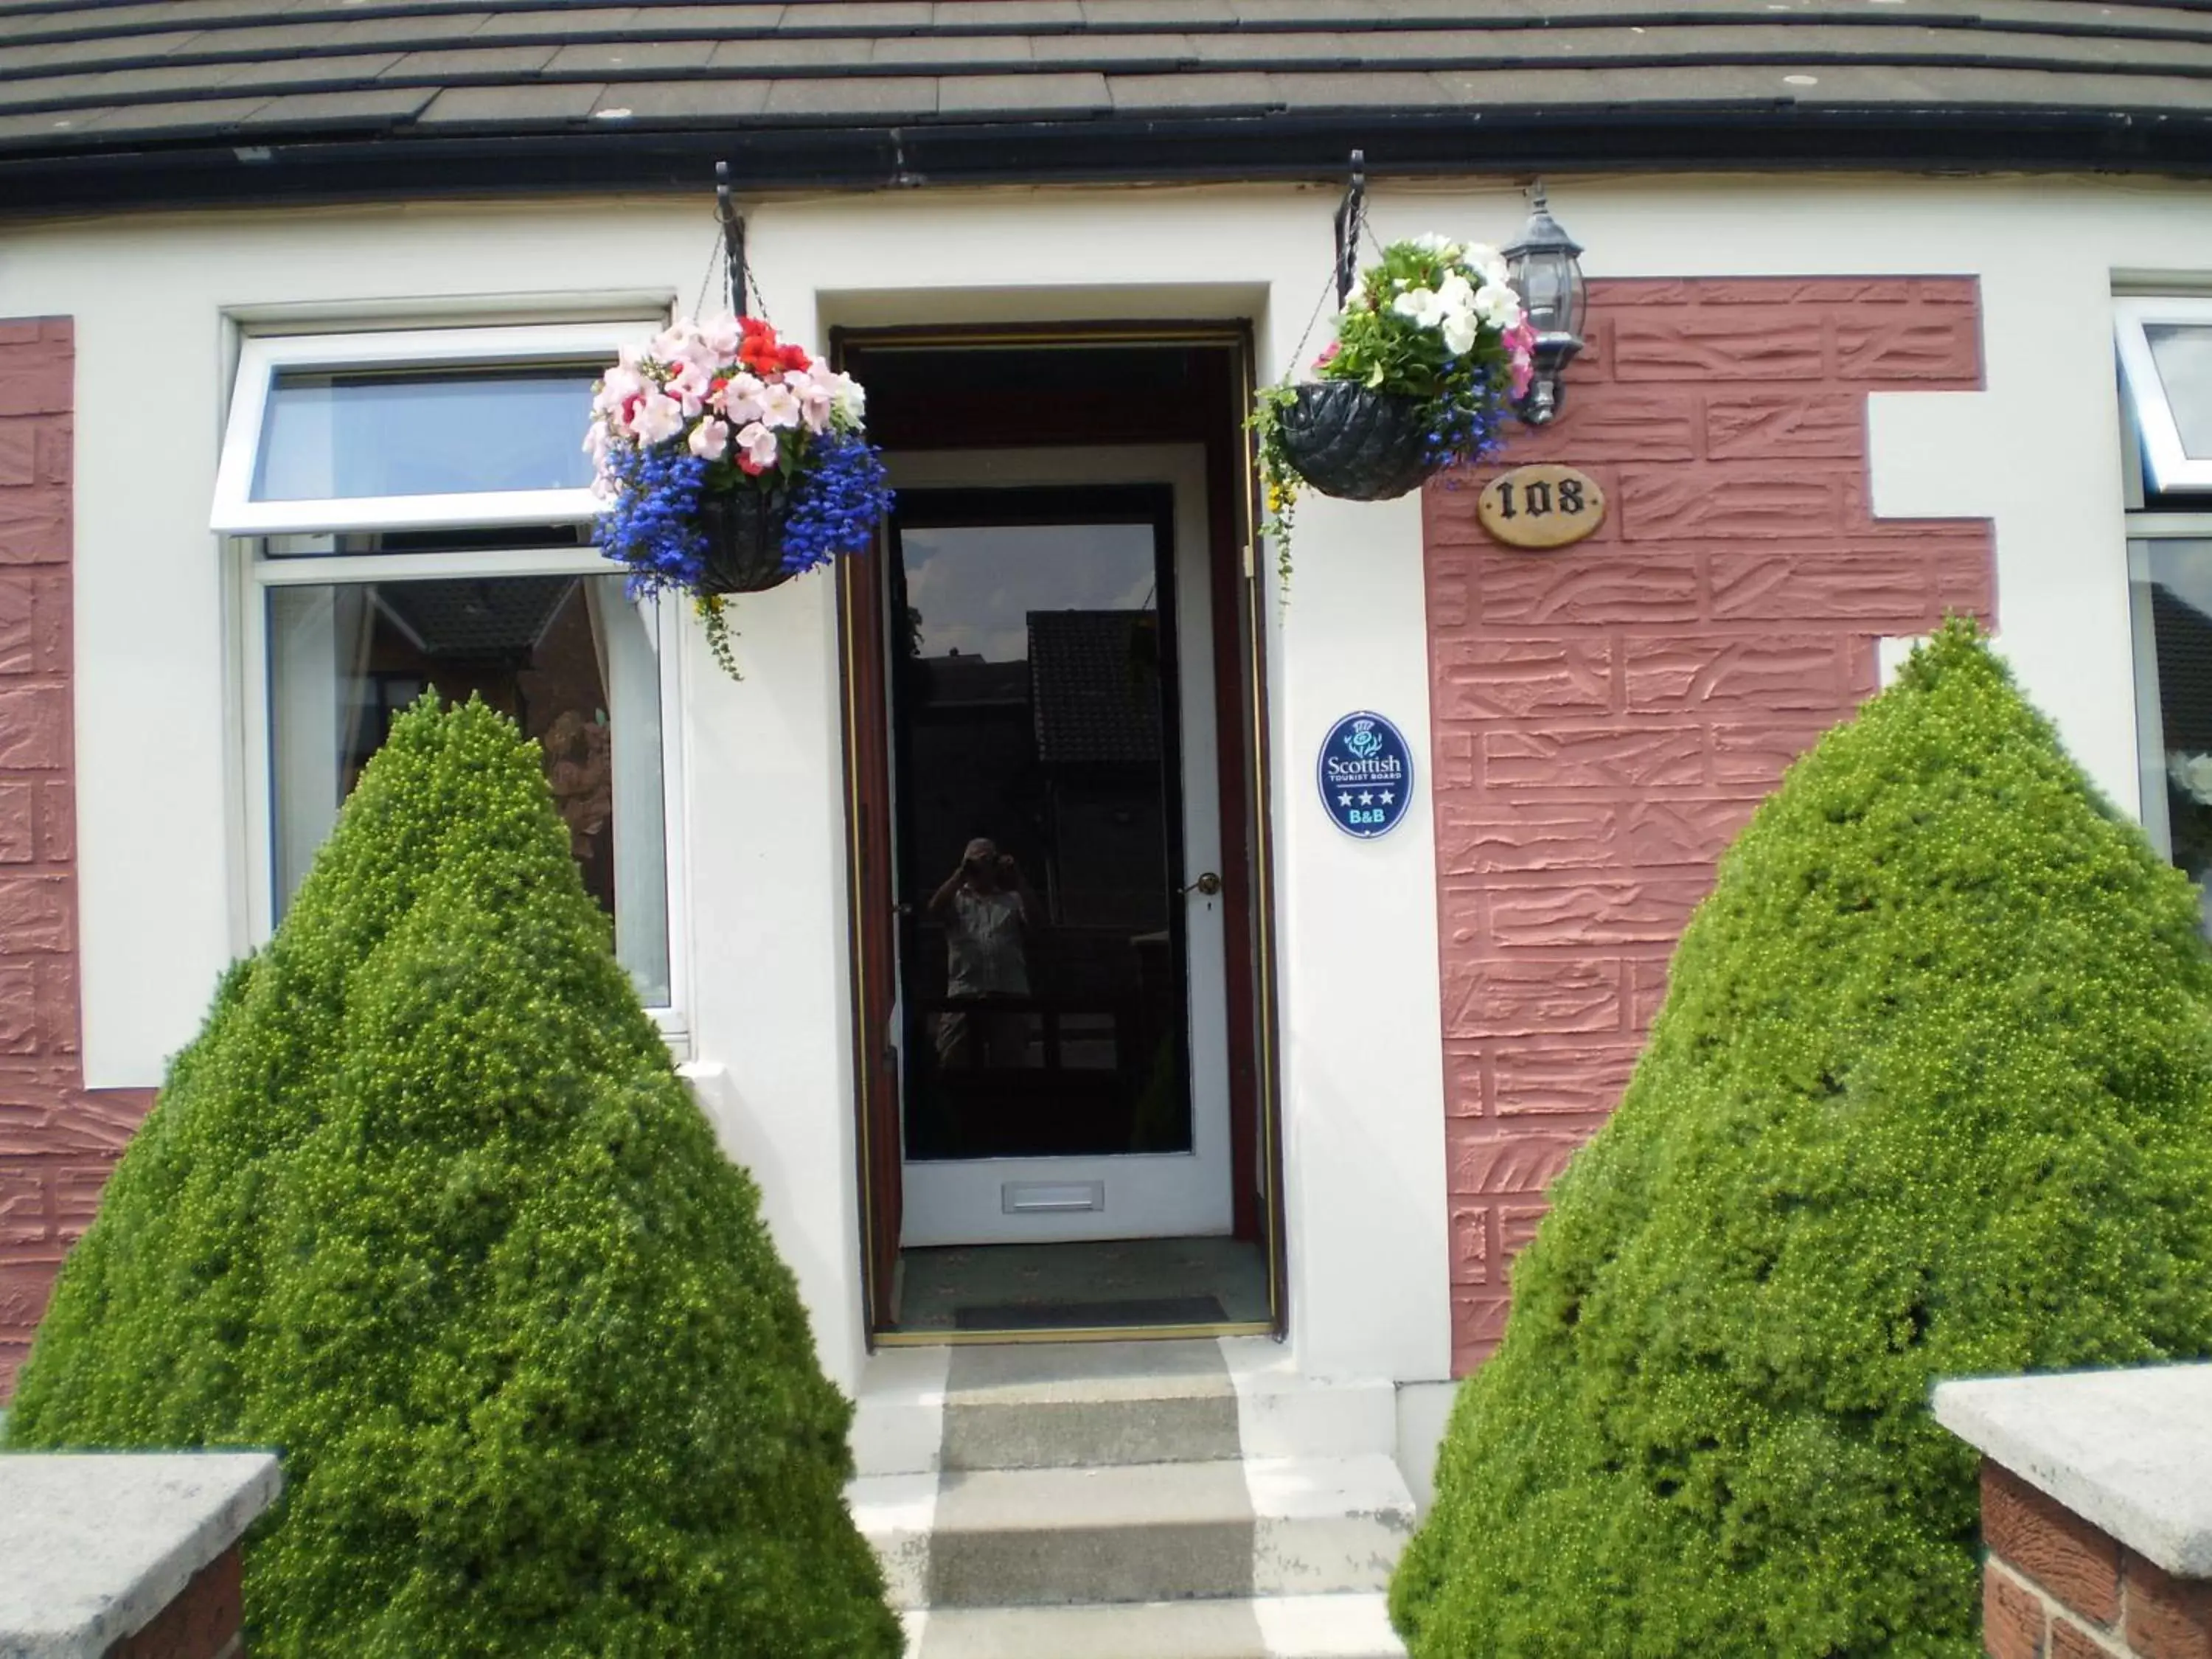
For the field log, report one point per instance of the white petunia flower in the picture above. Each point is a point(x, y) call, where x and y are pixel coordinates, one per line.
point(815, 399)
point(1498, 307)
point(778, 407)
point(1421, 306)
point(740, 399)
point(1457, 295)
point(1486, 262)
point(848, 399)
point(1460, 331)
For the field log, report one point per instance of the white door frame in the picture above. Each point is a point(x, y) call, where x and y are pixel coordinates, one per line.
point(1128, 1195)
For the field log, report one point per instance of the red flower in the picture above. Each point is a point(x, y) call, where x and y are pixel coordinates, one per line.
point(792, 356)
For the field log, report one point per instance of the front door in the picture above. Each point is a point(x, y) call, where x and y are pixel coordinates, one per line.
point(1060, 1025)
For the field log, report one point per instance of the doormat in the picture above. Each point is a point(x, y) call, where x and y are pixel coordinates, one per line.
point(1084, 1315)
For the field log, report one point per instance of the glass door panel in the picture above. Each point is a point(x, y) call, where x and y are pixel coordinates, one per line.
point(1043, 950)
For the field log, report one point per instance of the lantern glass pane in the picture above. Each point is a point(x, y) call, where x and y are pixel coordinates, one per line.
point(1546, 281)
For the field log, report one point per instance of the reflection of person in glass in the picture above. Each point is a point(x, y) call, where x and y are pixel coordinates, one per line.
point(986, 908)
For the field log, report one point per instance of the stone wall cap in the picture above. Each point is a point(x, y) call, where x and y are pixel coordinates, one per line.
point(92, 1545)
point(2129, 1451)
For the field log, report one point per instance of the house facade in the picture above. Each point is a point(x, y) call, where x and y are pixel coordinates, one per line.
point(299, 313)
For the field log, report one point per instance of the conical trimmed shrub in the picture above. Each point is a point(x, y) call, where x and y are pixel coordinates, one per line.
point(425, 1208)
point(1931, 1095)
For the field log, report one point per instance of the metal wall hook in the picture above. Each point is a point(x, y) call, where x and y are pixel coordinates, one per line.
point(733, 237)
point(1350, 215)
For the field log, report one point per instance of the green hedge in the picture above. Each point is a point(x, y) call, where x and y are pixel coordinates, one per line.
point(425, 1208)
point(1929, 1097)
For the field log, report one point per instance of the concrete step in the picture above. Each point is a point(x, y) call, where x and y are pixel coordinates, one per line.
point(1031, 1407)
point(1157, 1532)
point(1073, 1405)
point(1268, 1627)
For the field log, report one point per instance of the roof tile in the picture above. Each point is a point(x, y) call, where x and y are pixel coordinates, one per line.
point(472, 64)
point(1006, 13)
point(364, 107)
point(688, 19)
point(685, 101)
point(951, 55)
point(1184, 92)
point(876, 95)
point(200, 114)
point(766, 57)
point(1022, 94)
point(506, 105)
point(630, 58)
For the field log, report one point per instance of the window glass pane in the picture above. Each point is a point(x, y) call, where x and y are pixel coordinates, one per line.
point(570, 658)
point(2176, 633)
point(355, 433)
point(2184, 356)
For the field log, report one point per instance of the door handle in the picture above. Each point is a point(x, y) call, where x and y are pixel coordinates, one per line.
point(1208, 885)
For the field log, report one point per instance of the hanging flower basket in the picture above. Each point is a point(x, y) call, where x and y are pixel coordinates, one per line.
point(729, 462)
point(744, 530)
point(1356, 443)
point(1432, 349)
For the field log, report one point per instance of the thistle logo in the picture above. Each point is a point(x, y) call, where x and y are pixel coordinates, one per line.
point(1365, 774)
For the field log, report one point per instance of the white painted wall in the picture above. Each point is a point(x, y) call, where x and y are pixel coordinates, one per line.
point(161, 844)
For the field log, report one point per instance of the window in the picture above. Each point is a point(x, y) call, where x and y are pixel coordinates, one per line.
point(2165, 366)
point(416, 511)
point(395, 431)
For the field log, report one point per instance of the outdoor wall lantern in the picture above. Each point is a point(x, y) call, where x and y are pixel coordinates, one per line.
point(1546, 272)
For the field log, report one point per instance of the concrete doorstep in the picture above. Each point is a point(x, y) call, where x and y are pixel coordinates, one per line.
point(1128, 1501)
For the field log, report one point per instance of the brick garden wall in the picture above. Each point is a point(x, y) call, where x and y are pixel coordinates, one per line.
point(58, 1141)
point(1608, 716)
point(2056, 1587)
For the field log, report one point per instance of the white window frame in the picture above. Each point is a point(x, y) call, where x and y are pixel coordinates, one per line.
point(262, 573)
point(2172, 467)
point(262, 358)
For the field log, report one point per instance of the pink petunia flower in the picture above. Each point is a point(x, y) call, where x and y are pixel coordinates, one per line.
point(710, 440)
point(759, 445)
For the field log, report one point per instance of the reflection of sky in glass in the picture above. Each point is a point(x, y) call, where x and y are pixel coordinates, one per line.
point(348, 436)
point(2184, 356)
point(974, 585)
point(2185, 569)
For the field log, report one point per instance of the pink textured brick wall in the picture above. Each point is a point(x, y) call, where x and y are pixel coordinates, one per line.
point(1608, 716)
point(57, 1140)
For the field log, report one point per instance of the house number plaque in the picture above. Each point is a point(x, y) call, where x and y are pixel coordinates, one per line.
point(1541, 507)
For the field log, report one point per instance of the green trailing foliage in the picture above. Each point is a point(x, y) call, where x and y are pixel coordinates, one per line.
point(425, 1208)
point(1929, 1097)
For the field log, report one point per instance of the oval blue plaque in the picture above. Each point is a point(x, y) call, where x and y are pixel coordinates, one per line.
point(1367, 775)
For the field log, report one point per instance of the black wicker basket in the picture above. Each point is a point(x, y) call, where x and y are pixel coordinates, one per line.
point(1351, 442)
point(744, 540)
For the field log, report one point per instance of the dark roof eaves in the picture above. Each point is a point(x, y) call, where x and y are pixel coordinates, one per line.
point(326, 162)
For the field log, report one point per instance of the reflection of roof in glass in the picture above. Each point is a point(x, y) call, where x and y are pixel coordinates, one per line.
point(478, 617)
point(1094, 678)
point(967, 682)
point(2184, 671)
